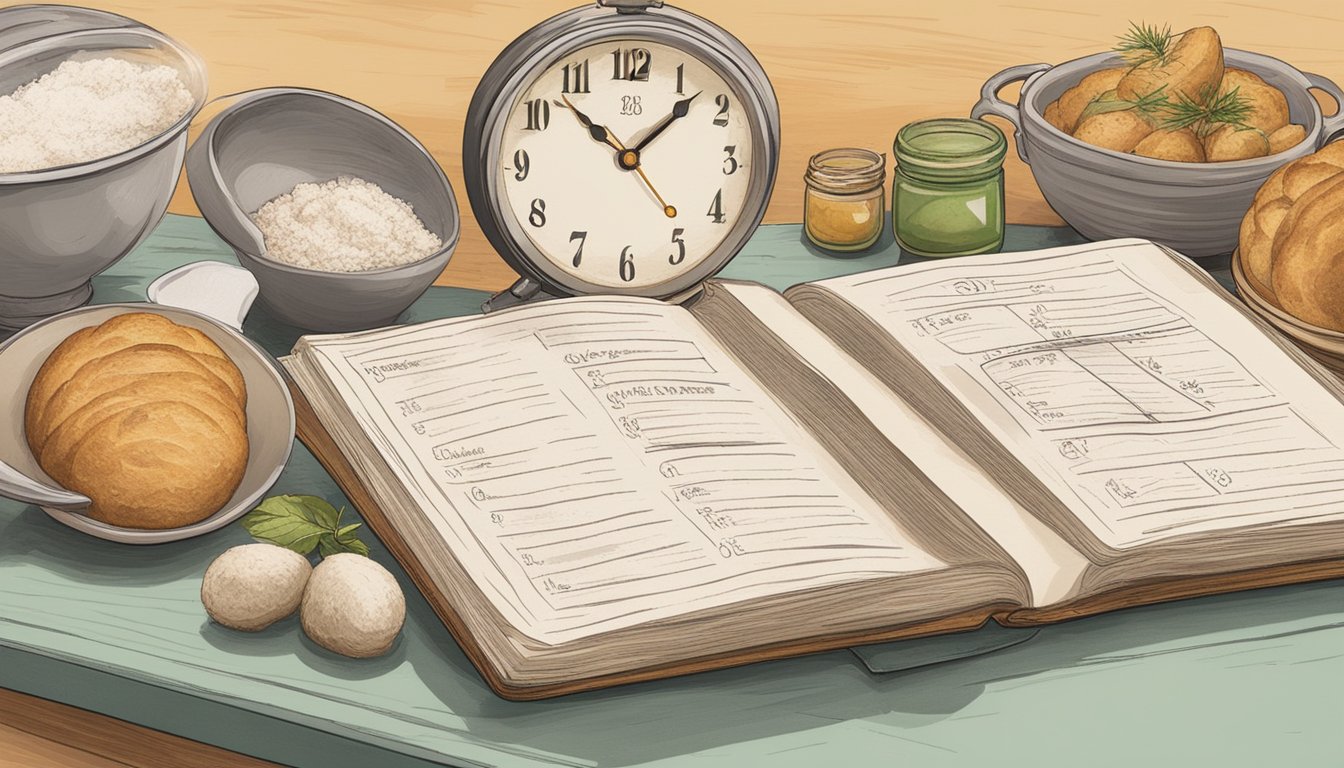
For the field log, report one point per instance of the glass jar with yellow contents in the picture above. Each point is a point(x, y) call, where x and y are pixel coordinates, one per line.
point(845, 205)
point(947, 197)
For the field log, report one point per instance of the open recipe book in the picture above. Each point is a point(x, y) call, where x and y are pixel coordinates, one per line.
point(593, 491)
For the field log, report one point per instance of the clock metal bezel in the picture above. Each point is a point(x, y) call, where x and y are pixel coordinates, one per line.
point(547, 43)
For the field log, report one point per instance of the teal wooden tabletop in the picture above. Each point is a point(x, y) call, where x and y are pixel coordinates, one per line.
point(1254, 679)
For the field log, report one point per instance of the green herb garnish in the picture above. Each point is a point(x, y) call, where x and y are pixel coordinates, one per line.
point(303, 523)
point(1149, 104)
point(1209, 112)
point(1145, 43)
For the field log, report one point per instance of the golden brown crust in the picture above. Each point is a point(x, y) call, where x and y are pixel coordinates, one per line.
point(114, 371)
point(197, 391)
point(157, 465)
point(145, 417)
point(1272, 214)
point(1309, 257)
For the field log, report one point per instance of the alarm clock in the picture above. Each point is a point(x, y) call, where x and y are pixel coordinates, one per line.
point(627, 148)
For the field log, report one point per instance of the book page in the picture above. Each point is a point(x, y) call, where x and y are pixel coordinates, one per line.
point(1146, 403)
point(599, 463)
point(1053, 568)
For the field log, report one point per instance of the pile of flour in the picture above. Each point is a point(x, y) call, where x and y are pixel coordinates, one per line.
point(86, 110)
point(344, 225)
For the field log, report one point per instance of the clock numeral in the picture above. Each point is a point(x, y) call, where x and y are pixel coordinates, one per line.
point(538, 114)
point(537, 217)
point(681, 79)
point(680, 255)
point(627, 264)
point(630, 64)
point(576, 78)
point(582, 237)
point(715, 212)
point(730, 164)
point(521, 165)
point(721, 119)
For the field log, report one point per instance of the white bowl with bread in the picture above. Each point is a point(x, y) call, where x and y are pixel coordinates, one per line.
point(1289, 265)
point(170, 422)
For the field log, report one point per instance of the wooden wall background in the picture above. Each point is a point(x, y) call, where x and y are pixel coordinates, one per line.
point(847, 72)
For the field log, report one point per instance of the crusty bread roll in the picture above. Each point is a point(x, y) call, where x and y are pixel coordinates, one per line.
point(1270, 212)
point(146, 417)
point(1309, 256)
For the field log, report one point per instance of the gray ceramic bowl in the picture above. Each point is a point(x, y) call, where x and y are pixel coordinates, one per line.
point(1195, 208)
point(268, 141)
point(61, 226)
point(270, 413)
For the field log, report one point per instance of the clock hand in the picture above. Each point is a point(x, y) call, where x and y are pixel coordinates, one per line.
point(679, 110)
point(668, 210)
point(598, 132)
point(627, 158)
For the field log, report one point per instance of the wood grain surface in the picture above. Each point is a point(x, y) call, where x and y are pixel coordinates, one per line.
point(35, 733)
point(847, 74)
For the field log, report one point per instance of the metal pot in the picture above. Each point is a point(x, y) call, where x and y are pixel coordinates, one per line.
point(1194, 208)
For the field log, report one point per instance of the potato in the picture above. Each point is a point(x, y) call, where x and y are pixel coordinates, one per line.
point(1181, 146)
point(1269, 107)
point(1193, 67)
point(1051, 115)
point(1075, 100)
point(1228, 143)
point(1119, 131)
point(1287, 137)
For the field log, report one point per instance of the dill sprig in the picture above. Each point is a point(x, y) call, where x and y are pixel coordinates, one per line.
point(1153, 102)
point(1144, 43)
point(1209, 112)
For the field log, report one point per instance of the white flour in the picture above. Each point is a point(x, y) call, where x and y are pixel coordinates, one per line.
point(85, 110)
point(344, 225)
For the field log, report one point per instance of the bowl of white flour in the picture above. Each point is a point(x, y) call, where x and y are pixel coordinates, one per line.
point(94, 110)
point(344, 218)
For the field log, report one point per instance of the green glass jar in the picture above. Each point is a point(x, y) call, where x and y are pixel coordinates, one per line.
point(947, 197)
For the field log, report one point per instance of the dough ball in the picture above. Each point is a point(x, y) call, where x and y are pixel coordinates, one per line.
point(353, 606)
point(252, 586)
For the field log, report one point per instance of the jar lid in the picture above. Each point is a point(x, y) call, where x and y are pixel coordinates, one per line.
point(847, 170)
point(951, 148)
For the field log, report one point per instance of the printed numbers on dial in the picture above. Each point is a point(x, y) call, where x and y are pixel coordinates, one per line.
point(583, 209)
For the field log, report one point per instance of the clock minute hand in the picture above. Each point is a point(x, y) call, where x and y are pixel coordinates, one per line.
point(679, 110)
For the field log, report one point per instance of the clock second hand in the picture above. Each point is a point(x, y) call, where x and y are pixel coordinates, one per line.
point(625, 158)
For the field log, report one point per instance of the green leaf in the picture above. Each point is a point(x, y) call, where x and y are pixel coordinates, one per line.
point(302, 523)
point(284, 529)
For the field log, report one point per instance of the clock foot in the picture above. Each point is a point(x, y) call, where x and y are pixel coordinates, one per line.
point(524, 291)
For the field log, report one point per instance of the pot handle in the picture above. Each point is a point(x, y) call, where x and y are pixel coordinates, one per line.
point(991, 104)
point(1334, 124)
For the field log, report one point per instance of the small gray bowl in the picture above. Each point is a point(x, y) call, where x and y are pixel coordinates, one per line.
point(268, 141)
point(1194, 208)
point(61, 226)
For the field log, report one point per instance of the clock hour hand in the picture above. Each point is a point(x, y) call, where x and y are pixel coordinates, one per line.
point(598, 132)
point(679, 110)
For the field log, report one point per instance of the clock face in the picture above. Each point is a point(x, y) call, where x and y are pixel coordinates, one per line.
point(639, 217)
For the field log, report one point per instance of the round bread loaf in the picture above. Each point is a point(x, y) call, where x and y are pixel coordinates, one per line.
point(1270, 213)
point(144, 416)
point(1309, 256)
